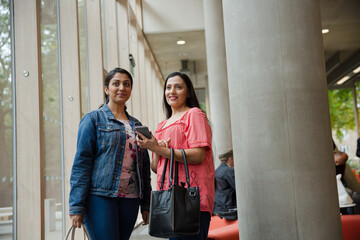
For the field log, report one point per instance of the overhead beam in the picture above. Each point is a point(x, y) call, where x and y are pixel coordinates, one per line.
point(343, 69)
point(332, 62)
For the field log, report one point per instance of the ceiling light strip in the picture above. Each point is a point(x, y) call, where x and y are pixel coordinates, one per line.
point(357, 70)
point(342, 80)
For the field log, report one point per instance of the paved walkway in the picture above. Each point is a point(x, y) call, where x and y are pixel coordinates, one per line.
point(141, 232)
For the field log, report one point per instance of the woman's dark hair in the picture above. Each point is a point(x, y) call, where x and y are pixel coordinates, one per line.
point(191, 101)
point(110, 75)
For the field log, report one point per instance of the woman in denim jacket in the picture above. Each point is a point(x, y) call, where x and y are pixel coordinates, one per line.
point(110, 176)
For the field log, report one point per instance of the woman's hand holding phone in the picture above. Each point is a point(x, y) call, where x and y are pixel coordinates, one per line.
point(143, 141)
point(143, 130)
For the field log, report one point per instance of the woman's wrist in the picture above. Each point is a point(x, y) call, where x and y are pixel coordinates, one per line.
point(157, 150)
point(163, 151)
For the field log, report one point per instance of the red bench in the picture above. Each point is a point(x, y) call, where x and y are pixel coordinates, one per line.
point(351, 227)
point(222, 229)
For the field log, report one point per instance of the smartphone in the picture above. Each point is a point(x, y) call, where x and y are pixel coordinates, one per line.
point(144, 131)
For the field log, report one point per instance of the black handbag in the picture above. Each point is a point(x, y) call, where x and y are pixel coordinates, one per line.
point(175, 212)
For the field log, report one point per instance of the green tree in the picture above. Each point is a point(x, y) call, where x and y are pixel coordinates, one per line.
point(5, 106)
point(51, 98)
point(341, 103)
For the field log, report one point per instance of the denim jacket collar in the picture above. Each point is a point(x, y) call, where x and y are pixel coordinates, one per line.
point(105, 108)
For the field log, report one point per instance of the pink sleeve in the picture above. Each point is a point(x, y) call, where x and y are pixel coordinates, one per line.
point(198, 131)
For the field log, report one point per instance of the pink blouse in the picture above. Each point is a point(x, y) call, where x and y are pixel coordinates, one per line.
point(190, 131)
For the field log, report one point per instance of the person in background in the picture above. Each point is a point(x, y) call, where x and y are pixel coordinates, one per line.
point(358, 148)
point(225, 192)
point(110, 176)
point(348, 179)
point(186, 127)
point(340, 159)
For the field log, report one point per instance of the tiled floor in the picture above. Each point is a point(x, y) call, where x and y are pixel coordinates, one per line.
point(141, 232)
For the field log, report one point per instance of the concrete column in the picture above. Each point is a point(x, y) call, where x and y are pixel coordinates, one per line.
point(217, 77)
point(284, 166)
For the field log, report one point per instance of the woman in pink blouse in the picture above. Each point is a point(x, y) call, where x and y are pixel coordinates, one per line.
point(186, 127)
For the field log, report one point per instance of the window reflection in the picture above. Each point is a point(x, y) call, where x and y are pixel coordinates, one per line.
point(103, 34)
point(85, 104)
point(6, 131)
point(201, 95)
point(51, 119)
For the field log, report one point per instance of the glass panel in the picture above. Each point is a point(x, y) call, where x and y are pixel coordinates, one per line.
point(6, 126)
point(103, 30)
point(85, 105)
point(201, 96)
point(51, 118)
point(133, 41)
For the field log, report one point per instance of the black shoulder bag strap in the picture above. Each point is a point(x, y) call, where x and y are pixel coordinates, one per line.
point(175, 177)
point(186, 167)
point(171, 166)
point(163, 174)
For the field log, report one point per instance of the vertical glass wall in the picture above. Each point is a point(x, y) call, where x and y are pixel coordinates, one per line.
point(6, 124)
point(201, 95)
point(103, 28)
point(85, 104)
point(51, 119)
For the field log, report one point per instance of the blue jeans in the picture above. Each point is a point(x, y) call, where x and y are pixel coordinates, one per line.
point(110, 218)
point(205, 218)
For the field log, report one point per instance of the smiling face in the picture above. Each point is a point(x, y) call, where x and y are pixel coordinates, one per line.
point(176, 92)
point(119, 89)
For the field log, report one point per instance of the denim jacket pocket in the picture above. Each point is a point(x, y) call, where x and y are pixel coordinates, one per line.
point(108, 134)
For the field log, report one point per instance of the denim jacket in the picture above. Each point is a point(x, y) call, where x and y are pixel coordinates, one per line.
point(225, 196)
point(99, 157)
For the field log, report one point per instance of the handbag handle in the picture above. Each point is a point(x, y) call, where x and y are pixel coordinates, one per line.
point(163, 174)
point(164, 170)
point(171, 167)
point(186, 167)
point(72, 231)
point(176, 177)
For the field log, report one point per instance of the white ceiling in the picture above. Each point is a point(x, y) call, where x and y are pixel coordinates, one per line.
point(166, 21)
point(163, 16)
point(342, 17)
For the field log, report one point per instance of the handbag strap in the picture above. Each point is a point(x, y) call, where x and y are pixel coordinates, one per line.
point(176, 175)
point(72, 231)
point(172, 163)
point(171, 166)
point(163, 174)
point(186, 167)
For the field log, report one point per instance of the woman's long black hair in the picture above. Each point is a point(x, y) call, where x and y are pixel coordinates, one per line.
point(108, 78)
point(191, 101)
